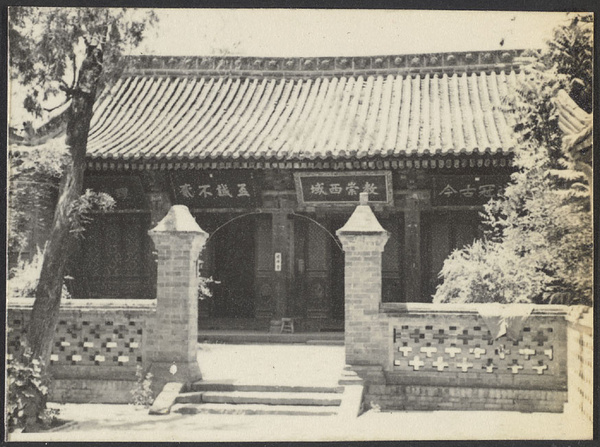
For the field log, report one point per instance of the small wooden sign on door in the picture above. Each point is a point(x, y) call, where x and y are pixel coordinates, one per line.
point(277, 262)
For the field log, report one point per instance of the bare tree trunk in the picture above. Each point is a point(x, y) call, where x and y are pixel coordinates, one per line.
point(44, 316)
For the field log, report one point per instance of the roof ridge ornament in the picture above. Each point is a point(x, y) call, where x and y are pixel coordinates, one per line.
point(411, 63)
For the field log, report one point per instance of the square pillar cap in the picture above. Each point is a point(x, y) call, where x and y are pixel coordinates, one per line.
point(362, 221)
point(178, 220)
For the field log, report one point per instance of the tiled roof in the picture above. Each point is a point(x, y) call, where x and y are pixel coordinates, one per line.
point(575, 122)
point(197, 113)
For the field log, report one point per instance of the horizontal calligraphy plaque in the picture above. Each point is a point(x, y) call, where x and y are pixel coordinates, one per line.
point(466, 189)
point(317, 188)
point(214, 189)
point(127, 191)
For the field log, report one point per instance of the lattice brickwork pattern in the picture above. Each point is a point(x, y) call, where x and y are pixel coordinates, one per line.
point(95, 339)
point(462, 345)
point(466, 345)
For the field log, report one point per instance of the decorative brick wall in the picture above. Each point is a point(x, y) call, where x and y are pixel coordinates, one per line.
point(97, 349)
point(581, 361)
point(443, 357)
point(100, 343)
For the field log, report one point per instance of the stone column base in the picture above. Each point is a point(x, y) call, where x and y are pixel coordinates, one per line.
point(365, 374)
point(350, 377)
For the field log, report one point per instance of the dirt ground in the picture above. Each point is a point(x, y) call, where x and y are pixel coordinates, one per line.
point(297, 365)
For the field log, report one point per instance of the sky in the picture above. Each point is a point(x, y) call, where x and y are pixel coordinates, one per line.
point(297, 32)
point(305, 32)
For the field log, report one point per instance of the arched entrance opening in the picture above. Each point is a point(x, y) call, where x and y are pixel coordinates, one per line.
point(253, 293)
point(319, 262)
point(229, 258)
point(233, 255)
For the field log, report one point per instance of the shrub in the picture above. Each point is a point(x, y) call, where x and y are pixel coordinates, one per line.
point(487, 272)
point(539, 238)
point(27, 395)
point(204, 287)
point(24, 278)
point(142, 394)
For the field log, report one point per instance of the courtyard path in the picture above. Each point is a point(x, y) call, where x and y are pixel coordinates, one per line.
point(285, 364)
point(298, 365)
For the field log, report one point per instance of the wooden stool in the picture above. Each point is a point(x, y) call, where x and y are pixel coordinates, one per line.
point(287, 325)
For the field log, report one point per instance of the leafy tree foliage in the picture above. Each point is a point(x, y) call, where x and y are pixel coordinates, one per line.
point(33, 177)
point(73, 53)
point(538, 245)
point(142, 394)
point(46, 46)
point(571, 51)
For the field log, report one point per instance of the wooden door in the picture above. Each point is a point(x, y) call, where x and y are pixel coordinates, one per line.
point(297, 304)
point(337, 270)
point(233, 296)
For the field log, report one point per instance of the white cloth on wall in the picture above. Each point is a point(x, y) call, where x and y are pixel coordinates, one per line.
point(505, 319)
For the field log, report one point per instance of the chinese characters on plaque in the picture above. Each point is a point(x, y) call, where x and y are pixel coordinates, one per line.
point(127, 191)
point(466, 189)
point(216, 189)
point(332, 187)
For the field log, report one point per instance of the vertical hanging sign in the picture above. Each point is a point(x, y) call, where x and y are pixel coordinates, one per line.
point(278, 262)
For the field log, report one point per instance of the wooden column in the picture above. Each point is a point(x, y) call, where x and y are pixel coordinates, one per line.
point(155, 187)
point(281, 243)
point(412, 244)
point(263, 284)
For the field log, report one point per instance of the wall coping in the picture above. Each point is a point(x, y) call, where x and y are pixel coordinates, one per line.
point(454, 308)
point(582, 315)
point(388, 308)
point(89, 304)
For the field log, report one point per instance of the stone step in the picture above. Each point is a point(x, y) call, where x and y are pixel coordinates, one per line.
point(325, 342)
point(254, 409)
point(250, 337)
point(205, 385)
point(262, 397)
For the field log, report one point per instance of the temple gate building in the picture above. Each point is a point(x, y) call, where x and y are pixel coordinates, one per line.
point(270, 155)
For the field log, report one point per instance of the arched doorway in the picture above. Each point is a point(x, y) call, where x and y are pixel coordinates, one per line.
point(229, 258)
point(317, 296)
point(240, 256)
point(234, 269)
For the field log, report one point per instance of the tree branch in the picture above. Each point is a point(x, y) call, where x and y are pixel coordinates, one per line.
point(58, 106)
point(74, 83)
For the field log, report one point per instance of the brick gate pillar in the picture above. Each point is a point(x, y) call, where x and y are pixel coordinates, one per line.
point(172, 340)
point(363, 239)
